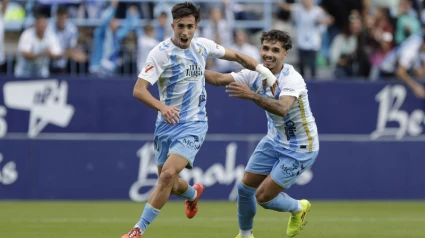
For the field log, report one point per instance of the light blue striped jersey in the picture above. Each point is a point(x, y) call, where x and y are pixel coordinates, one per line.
point(180, 75)
point(297, 131)
point(406, 55)
point(68, 39)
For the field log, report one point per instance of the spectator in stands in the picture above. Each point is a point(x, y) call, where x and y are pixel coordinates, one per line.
point(242, 45)
point(162, 27)
point(347, 53)
point(35, 49)
point(67, 33)
point(2, 51)
point(108, 36)
point(146, 41)
point(91, 9)
point(44, 7)
point(219, 30)
point(404, 59)
point(381, 38)
point(311, 20)
point(407, 22)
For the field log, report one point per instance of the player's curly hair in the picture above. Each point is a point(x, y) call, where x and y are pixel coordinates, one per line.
point(277, 35)
point(185, 9)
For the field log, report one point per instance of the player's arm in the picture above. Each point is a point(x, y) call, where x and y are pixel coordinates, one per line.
point(416, 87)
point(279, 107)
point(218, 79)
point(244, 60)
point(140, 91)
point(250, 63)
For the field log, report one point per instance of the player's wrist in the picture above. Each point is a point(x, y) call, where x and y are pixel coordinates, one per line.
point(266, 73)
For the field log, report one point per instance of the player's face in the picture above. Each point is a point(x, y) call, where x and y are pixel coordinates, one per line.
point(184, 29)
point(272, 55)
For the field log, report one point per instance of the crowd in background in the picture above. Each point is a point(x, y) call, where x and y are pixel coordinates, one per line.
point(350, 38)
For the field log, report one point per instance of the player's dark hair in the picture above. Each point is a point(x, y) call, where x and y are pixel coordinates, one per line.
point(185, 9)
point(277, 35)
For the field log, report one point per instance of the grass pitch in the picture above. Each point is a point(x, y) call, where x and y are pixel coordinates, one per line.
point(53, 219)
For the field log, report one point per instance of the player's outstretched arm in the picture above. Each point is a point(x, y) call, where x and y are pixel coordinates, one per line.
point(246, 61)
point(218, 79)
point(250, 63)
point(140, 91)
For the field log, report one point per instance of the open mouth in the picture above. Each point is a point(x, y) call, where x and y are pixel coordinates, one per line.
point(184, 41)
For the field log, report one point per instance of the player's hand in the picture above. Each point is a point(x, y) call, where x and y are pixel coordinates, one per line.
point(272, 88)
point(419, 91)
point(171, 114)
point(239, 90)
point(268, 77)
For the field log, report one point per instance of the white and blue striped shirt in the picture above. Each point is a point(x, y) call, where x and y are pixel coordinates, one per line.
point(180, 75)
point(297, 131)
point(68, 39)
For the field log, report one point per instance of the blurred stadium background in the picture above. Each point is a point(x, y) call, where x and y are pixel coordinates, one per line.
point(76, 153)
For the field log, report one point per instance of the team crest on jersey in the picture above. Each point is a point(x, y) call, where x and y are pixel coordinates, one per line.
point(194, 71)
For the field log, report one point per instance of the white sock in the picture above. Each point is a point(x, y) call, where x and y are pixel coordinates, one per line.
point(245, 234)
point(194, 196)
point(299, 209)
point(140, 229)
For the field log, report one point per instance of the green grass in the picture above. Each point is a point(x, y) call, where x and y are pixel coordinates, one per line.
point(214, 220)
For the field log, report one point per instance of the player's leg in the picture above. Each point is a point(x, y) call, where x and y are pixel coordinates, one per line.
point(259, 166)
point(247, 205)
point(168, 177)
point(168, 169)
point(270, 196)
point(180, 186)
point(186, 142)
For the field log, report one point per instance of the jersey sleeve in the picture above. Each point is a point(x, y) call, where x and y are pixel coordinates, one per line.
point(292, 85)
point(245, 76)
point(154, 66)
point(214, 50)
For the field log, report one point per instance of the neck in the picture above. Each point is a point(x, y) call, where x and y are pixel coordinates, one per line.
point(276, 70)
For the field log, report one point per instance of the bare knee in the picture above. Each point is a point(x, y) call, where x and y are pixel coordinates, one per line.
point(167, 178)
